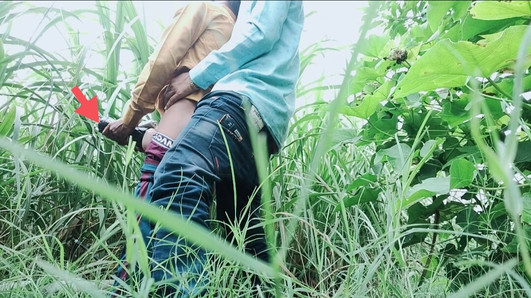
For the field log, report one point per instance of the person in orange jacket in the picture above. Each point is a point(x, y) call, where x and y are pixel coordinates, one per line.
point(196, 30)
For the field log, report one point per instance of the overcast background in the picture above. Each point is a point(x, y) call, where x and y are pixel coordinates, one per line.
point(337, 22)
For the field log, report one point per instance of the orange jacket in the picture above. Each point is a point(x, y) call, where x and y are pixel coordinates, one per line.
point(196, 30)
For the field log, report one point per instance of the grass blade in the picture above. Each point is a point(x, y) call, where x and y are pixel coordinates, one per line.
point(172, 222)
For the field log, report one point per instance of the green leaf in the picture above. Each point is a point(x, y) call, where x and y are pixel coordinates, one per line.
point(455, 112)
point(364, 75)
point(429, 187)
point(471, 27)
point(6, 124)
point(428, 73)
point(421, 32)
point(167, 219)
point(526, 214)
point(506, 85)
point(462, 173)
point(495, 108)
point(495, 10)
point(436, 12)
point(370, 103)
point(364, 196)
point(397, 156)
point(523, 153)
point(344, 135)
point(2, 53)
point(362, 181)
point(382, 125)
point(425, 150)
point(460, 8)
point(374, 46)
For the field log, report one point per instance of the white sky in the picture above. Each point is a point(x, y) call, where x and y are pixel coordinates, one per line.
point(337, 21)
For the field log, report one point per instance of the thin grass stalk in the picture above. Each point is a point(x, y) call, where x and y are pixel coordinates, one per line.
point(191, 231)
point(501, 163)
point(325, 137)
point(513, 198)
point(139, 44)
point(485, 279)
point(259, 145)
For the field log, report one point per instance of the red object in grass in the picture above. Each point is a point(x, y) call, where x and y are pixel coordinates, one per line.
point(88, 108)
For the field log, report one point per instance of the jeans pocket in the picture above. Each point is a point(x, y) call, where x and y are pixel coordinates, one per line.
point(227, 146)
point(229, 126)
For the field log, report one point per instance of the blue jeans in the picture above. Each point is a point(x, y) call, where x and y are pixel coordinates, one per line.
point(194, 169)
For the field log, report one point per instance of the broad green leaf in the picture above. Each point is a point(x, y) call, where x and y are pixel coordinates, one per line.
point(495, 212)
point(381, 126)
point(429, 187)
point(397, 156)
point(497, 10)
point(462, 173)
point(495, 108)
point(428, 73)
point(460, 8)
point(426, 148)
point(417, 211)
point(412, 101)
point(506, 85)
point(365, 109)
point(374, 46)
point(526, 214)
point(436, 12)
point(471, 27)
point(455, 112)
point(362, 76)
point(422, 32)
point(523, 153)
point(7, 121)
point(363, 196)
point(344, 135)
point(362, 181)
point(370, 103)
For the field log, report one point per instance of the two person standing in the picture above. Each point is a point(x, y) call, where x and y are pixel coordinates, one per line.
point(253, 76)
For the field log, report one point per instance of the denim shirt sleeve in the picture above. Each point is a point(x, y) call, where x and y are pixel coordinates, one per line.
point(253, 35)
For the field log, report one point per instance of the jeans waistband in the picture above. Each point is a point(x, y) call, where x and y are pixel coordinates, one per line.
point(253, 115)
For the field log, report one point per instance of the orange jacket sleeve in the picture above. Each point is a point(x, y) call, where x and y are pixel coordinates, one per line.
point(187, 26)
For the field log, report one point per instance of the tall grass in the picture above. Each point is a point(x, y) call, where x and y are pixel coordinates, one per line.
point(65, 190)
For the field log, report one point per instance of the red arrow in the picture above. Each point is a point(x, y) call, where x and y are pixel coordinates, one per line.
point(88, 108)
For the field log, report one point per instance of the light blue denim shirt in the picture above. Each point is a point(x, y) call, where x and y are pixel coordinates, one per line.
point(260, 61)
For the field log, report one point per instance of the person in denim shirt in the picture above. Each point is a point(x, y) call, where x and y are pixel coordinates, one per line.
point(254, 75)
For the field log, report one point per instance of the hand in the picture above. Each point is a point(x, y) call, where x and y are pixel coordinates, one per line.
point(118, 132)
point(179, 87)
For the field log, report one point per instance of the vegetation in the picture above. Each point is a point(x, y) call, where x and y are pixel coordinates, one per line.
point(414, 181)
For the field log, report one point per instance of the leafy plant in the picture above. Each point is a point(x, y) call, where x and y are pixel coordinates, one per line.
point(418, 110)
point(414, 179)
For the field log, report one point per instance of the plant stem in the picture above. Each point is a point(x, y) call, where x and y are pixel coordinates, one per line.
point(499, 89)
point(432, 248)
